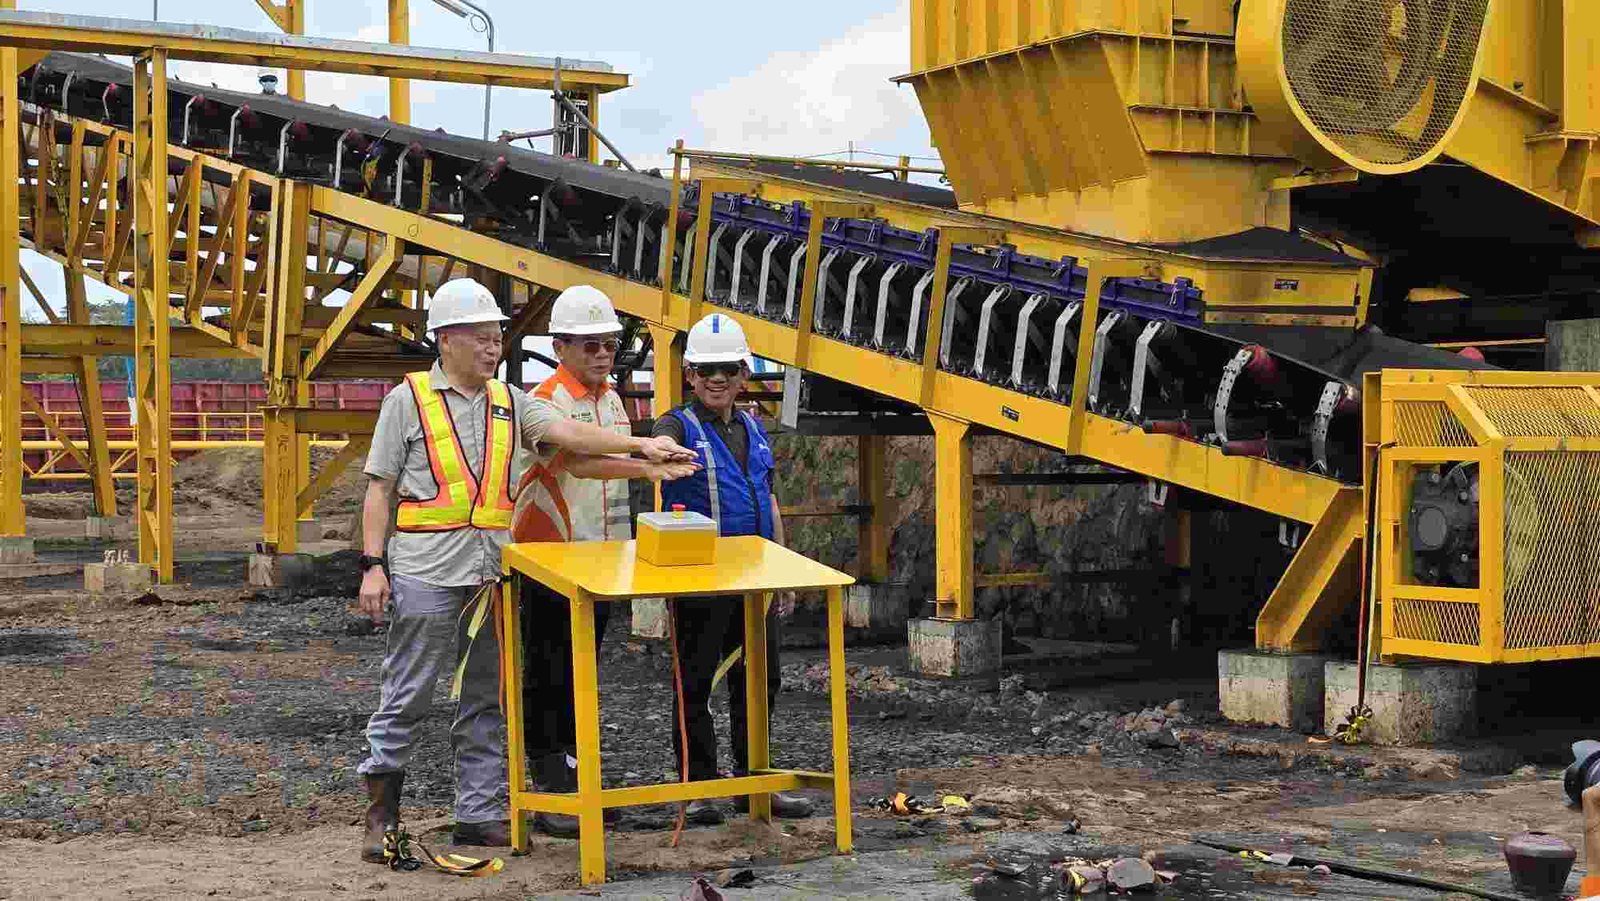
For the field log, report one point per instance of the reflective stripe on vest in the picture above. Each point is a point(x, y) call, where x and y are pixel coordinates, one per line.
point(462, 500)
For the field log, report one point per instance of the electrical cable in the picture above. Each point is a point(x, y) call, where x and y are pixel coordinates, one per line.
point(683, 731)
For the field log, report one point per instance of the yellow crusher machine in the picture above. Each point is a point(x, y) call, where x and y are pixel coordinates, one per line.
point(1205, 242)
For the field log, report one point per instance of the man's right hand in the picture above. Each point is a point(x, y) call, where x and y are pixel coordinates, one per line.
point(374, 593)
point(662, 449)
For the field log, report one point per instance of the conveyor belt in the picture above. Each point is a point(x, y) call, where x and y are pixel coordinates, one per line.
point(1286, 396)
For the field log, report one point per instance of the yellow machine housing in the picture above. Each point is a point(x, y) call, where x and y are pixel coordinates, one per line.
point(1498, 471)
point(1145, 120)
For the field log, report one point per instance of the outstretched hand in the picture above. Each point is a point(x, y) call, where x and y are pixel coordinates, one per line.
point(662, 449)
point(667, 472)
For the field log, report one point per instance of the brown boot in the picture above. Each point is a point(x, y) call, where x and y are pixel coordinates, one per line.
point(383, 812)
point(493, 834)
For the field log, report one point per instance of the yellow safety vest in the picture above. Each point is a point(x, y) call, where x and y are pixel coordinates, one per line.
point(462, 500)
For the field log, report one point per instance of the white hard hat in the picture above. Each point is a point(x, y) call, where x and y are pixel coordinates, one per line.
point(583, 310)
point(462, 301)
point(716, 339)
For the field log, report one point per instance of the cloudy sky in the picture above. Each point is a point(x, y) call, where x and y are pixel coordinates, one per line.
point(782, 78)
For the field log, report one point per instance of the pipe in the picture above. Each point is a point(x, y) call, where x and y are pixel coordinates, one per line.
point(471, 13)
point(400, 172)
point(584, 121)
point(187, 109)
point(233, 126)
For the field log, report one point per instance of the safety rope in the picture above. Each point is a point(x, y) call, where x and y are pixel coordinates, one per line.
point(398, 855)
point(482, 604)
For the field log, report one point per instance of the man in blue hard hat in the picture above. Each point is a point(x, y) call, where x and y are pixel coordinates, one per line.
point(734, 487)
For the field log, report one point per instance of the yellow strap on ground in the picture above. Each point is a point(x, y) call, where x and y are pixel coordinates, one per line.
point(738, 652)
point(478, 608)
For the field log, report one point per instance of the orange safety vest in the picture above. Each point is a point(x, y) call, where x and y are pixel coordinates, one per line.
point(462, 500)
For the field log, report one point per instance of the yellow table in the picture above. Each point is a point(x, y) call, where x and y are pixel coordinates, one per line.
point(592, 572)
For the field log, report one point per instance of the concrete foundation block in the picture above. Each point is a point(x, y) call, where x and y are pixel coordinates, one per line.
point(117, 578)
point(15, 550)
point(279, 570)
point(876, 606)
point(1284, 690)
point(649, 617)
point(9, 571)
point(944, 647)
point(1412, 704)
point(309, 530)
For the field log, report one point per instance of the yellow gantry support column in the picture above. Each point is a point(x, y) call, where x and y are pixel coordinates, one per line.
point(872, 483)
point(286, 390)
point(400, 88)
point(294, 19)
point(12, 518)
point(667, 378)
point(953, 589)
point(152, 314)
point(87, 371)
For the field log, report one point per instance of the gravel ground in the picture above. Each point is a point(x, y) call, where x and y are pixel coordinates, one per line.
point(192, 737)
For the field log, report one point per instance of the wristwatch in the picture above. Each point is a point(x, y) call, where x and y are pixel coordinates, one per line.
point(368, 561)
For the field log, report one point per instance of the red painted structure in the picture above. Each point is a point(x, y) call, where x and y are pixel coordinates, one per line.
point(201, 411)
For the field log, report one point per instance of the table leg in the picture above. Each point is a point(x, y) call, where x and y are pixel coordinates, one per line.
point(511, 688)
point(755, 693)
point(843, 839)
point(586, 708)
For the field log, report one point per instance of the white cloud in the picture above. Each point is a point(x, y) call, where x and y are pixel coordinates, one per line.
point(818, 101)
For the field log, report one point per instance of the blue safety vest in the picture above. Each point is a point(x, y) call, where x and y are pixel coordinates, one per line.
point(738, 498)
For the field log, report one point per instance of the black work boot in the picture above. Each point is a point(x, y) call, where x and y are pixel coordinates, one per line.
point(553, 774)
point(383, 812)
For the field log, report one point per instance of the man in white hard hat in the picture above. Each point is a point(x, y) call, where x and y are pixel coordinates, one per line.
point(734, 487)
point(566, 497)
point(450, 443)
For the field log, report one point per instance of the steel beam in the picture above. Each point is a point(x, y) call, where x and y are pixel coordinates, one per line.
point(209, 43)
point(954, 586)
point(12, 516)
point(117, 340)
point(283, 472)
point(86, 371)
point(1320, 582)
point(400, 35)
point(371, 286)
point(872, 487)
point(152, 313)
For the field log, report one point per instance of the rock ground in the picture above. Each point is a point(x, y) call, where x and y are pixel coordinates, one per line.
point(201, 740)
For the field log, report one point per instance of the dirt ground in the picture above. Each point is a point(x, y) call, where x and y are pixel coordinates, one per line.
point(201, 742)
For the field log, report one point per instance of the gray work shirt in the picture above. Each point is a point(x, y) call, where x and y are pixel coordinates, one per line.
point(460, 557)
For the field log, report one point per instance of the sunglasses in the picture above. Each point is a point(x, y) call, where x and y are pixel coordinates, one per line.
point(593, 346)
point(707, 370)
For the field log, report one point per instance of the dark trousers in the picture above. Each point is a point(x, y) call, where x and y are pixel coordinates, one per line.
point(709, 629)
point(548, 726)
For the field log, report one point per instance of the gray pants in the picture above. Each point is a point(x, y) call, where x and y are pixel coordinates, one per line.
point(425, 626)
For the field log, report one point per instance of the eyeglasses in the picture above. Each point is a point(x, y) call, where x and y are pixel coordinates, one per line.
point(707, 370)
point(593, 346)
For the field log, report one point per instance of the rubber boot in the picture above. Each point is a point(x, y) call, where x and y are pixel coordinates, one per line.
point(383, 812)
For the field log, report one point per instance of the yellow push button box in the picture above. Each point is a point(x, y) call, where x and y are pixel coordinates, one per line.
point(676, 538)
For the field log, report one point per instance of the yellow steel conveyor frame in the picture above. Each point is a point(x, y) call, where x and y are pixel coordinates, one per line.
point(273, 312)
point(275, 315)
